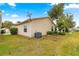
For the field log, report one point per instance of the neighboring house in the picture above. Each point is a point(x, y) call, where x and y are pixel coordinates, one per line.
point(5, 31)
point(76, 29)
point(30, 27)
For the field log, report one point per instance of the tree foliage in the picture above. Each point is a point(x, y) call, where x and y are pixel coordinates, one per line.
point(18, 22)
point(65, 22)
point(13, 31)
point(56, 11)
point(7, 24)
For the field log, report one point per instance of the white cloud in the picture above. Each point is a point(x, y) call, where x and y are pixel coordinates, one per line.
point(14, 15)
point(12, 4)
point(3, 11)
point(74, 5)
point(45, 13)
point(9, 20)
point(9, 3)
point(7, 14)
point(71, 6)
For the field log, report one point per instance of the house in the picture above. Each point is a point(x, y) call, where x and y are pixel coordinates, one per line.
point(29, 27)
point(76, 29)
point(5, 31)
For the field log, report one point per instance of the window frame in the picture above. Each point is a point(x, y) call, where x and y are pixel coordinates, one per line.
point(25, 28)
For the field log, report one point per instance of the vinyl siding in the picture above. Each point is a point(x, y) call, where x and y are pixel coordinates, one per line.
point(41, 25)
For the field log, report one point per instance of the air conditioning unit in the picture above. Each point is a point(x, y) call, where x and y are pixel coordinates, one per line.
point(37, 34)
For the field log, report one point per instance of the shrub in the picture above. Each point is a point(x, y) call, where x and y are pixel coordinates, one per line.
point(51, 33)
point(55, 33)
point(61, 33)
point(13, 31)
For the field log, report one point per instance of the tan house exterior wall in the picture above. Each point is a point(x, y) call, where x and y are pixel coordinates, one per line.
point(40, 25)
point(21, 29)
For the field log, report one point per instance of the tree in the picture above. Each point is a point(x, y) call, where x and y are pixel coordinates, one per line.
point(70, 21)
point(65, 23)
point(7, 24)
point(18, 22)
point(56, 11)
point(77, 26)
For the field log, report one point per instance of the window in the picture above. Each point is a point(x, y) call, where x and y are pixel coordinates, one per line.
point(25, 28)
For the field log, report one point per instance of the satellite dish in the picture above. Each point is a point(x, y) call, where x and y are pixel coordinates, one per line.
point(29, 15)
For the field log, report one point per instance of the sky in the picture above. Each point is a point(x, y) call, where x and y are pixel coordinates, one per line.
point(18, 11)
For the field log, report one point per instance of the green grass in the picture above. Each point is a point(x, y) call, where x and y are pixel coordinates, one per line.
point(16, 45)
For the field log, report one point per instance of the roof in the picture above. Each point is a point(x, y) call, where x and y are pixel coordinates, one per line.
point(28, 20)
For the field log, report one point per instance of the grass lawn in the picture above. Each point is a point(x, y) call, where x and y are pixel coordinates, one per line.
point(16, 45)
